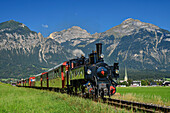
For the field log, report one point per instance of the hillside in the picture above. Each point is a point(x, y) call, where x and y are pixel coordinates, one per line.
point(142, 47)
point(25, 52)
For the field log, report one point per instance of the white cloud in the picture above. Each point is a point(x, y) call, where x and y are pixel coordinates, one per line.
point(45, 25)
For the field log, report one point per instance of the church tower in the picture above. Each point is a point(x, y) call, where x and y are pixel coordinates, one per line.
point(126, 78)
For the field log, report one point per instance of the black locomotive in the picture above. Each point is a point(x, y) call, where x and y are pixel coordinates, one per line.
point(85, 76)
point(98, 77)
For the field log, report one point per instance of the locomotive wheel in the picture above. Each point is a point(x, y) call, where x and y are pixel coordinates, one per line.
point(96, 92)
point(102, 94)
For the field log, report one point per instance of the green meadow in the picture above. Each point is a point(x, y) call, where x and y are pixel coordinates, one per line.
point(154, 95)
point(25, 100)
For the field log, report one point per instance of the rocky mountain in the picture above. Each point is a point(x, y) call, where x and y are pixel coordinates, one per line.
point(24, 52)
point(142, 47)
point(73, 39)
point(139, 42)
point(138, 45)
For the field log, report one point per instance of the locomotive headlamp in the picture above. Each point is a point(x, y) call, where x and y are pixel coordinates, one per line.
point(102, 56)
point(117, 71)
point(89, 71)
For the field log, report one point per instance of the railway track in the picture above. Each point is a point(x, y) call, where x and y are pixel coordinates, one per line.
point(135, 106)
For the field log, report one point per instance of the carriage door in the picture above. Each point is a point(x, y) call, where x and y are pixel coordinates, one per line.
point(62, 76)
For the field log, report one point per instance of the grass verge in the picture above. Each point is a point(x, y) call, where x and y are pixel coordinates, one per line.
point(154, 95)
point(24, 100)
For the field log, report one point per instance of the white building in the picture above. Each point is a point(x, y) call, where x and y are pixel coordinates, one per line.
point(136, 83)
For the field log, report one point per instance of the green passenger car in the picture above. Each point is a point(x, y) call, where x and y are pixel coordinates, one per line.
point(55, 79)
point(77, 73)
point(38, 81)
point(44, 80)
point(27, 82)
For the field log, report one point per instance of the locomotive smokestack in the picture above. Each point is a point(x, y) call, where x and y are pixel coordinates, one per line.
point(99, 49)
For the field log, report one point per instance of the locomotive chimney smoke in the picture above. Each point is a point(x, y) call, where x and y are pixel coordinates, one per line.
point(99, 49)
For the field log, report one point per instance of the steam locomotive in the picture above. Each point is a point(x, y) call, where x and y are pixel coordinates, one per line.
point(85, 76)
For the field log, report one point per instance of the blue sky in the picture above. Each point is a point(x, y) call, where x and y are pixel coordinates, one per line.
point(47, 16)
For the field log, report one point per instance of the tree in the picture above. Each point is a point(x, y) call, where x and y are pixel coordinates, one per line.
point(148, 83)
point(130, 81)
point(124, 83)
point(144, 82)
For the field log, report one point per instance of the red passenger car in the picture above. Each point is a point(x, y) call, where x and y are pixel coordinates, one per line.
point(32, 81)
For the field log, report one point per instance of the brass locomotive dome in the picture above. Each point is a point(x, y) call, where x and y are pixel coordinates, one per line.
point(102, 72)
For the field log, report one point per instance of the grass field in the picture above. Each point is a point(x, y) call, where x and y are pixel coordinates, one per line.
point(24, 100)
point(154, 95)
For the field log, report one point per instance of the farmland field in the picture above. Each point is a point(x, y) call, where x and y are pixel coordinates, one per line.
point(24, 100)
point(154, 95)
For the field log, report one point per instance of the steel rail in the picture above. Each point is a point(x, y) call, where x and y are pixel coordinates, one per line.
point(137, 106)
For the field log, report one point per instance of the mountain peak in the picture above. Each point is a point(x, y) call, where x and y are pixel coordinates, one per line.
point(76, 27)
point(12, 21)
point(130, 20)
point(74, 33)
point(137, 23)
point(14, 26)
point(129, 27)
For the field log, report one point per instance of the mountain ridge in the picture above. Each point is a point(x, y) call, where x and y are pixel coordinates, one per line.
point(136, 44)
point(27, 49)
point(139, 45)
